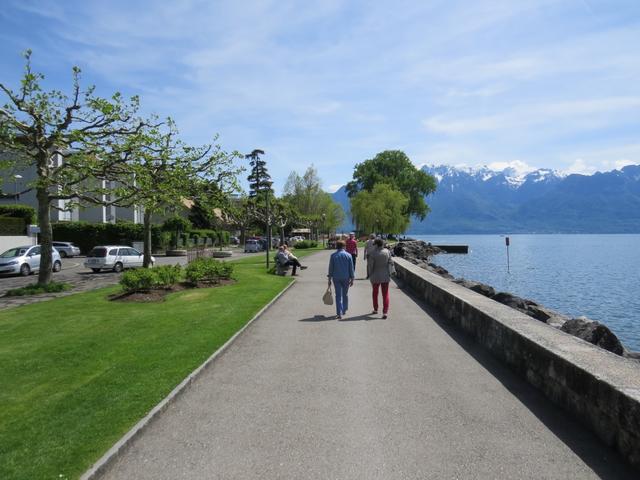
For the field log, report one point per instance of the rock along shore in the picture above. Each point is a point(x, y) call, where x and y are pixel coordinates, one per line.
point(420, 253)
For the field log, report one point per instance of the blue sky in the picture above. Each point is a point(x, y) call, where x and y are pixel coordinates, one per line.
point(530, 83)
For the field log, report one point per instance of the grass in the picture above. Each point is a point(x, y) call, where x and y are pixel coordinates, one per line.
point(79, 371)
point(35, 289)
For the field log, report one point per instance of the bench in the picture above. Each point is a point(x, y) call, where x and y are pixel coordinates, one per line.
point(280, 268)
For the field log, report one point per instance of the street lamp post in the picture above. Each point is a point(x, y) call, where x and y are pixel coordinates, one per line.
point(15, 184)
point(324, 218)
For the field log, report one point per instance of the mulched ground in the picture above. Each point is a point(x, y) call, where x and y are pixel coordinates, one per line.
point(158, 295)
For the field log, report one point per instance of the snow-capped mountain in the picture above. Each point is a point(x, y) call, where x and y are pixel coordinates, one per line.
point(481, 200)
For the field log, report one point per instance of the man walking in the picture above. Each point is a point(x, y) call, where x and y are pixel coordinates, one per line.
point(352, 248)
point(341, 271)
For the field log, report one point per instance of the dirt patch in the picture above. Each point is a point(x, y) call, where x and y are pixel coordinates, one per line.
point(159, 294)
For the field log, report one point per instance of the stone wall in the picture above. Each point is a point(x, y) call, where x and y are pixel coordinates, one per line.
point(598, 387)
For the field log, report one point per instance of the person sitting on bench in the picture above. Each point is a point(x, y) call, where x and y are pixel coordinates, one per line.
point(292, 260)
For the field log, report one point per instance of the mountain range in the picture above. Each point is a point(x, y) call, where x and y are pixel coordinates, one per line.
point(482, 200)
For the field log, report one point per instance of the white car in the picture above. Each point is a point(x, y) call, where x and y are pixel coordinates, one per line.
point(66, 249)
point(26, 260)
point(252, 245)
point(114, 257)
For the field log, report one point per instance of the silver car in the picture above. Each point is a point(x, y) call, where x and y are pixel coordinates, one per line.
point(66, 249)
point(26, 260)
point(114, 257)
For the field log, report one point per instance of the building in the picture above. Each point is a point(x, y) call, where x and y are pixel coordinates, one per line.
point(14, 181)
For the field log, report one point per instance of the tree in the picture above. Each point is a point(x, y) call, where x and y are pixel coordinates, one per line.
point(304, 191)
point(163, 172)
point(260, 187)
point(380, 210)
point(240, 214)
point(316, 206)
point(66, 140)
point(394, 168)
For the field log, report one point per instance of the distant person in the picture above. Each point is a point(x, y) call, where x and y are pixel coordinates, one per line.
point(379, 265)
point(341, 271)
point(352, 248)
point(368, 248)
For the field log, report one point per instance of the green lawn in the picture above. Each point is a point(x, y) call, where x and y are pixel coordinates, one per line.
point(77, 372)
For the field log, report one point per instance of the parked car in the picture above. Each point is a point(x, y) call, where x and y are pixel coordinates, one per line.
point(252, 245)
point(66, 249)
point(114, 257)
point(26, 260)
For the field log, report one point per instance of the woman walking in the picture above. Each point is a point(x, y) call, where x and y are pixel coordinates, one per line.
point(379, 265)
point(341, 272)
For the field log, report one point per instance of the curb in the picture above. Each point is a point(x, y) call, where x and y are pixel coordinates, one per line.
point(122, 445)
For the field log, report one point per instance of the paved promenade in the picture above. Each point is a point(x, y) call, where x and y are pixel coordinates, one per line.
point(302, 395)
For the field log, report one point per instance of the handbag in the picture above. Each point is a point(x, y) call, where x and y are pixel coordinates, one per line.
point(327, 298)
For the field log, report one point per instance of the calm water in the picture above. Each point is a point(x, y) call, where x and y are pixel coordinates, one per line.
point(593, 275)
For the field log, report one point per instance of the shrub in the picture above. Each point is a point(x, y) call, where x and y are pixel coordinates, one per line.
point(167, 275)
point(138, 280)
point(28, 214)
point(306, 244)
point(225, 270)
point(207, 270)
point(34, 289)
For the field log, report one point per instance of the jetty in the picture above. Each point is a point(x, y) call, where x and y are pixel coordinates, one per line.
point(300, 394)
point(453, 248)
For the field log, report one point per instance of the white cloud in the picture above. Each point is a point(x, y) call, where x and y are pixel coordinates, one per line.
point(581, 167)
point(518, 167)
point(333, 188)
point(583, 113)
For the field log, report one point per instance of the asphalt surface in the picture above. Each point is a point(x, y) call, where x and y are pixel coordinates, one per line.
point(302, 395)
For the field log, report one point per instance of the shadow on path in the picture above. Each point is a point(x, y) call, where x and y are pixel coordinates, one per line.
point(605, 462)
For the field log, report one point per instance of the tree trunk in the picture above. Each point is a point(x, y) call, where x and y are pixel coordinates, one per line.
point(46, 236)
point(146, 261)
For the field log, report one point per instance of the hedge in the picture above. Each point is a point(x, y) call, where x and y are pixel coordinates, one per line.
point(87, 235)
point(12, 226)
point(28, 214)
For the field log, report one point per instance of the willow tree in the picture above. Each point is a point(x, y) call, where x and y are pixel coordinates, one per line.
point(394, 168)
point(65, 139)
point(381, 210)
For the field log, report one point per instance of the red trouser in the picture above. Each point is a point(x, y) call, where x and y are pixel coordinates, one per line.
point(385, 297)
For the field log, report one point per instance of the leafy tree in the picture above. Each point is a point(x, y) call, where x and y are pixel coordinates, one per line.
point(284, 215)
point(394, 168)
point(201, 217)
point(240, 213)
point(304, 191)
point(163, 171)
point(66, 139)
point(317, 208)
point(380, 210)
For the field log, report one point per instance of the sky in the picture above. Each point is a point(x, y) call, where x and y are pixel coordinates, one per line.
point(521, 83)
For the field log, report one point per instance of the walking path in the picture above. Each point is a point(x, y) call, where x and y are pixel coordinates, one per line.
point(302, 395)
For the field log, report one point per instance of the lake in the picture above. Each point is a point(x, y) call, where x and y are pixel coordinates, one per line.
point(597, 276)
